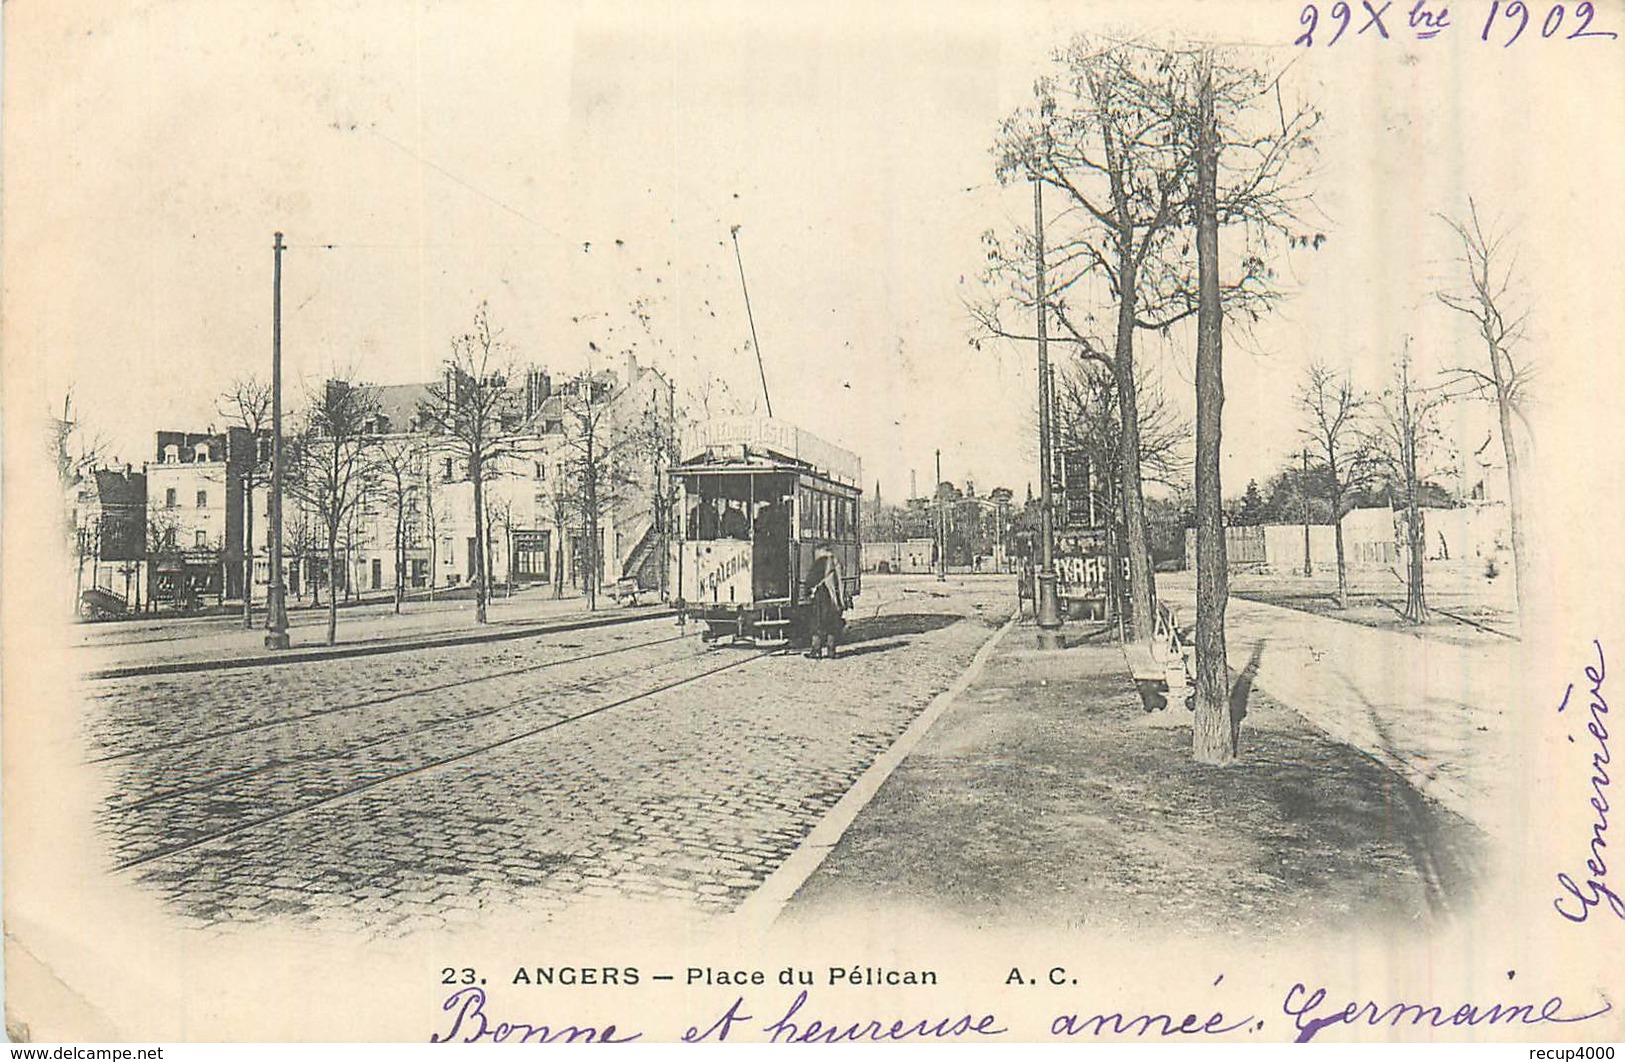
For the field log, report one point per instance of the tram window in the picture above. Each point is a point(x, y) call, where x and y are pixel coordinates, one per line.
point(722, 506)
point(704, 521)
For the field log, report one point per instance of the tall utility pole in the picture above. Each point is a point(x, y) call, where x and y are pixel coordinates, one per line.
point(276, 605)
point(1049, 607)
point(942, 528)
point(1303, 494)
point(734, 231)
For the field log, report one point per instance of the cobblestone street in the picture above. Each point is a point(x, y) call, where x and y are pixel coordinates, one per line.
point(409, 790)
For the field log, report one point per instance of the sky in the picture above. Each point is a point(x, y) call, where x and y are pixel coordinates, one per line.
point(563, 163)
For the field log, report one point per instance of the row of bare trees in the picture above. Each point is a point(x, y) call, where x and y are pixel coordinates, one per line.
point(339, 464)
point(1154, 152)
point(1394, 438)
point(1358, 441)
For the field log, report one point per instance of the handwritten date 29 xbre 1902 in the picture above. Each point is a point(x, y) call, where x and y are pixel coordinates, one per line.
point(1504, 23)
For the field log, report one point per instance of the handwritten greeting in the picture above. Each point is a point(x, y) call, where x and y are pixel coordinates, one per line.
point(801, 1019)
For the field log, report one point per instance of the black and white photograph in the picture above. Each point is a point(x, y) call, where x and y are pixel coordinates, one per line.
point(1068, 522)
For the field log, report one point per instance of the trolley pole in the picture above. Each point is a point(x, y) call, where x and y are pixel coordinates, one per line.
point(942, 528)
point(760, 368)
point(276, 605)
point(1049, 606)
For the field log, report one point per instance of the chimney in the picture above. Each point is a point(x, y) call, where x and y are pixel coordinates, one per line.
point(631, 368)
point(913, 486)
point(538, 386)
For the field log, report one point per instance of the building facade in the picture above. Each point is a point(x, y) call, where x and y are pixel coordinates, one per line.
point(108, 510)
point(195, 491)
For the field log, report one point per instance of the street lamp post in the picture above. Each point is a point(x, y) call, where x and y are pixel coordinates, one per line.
point(1049, 607)
point(276, 605)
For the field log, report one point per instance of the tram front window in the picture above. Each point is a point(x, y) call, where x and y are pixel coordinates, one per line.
point(719, 507)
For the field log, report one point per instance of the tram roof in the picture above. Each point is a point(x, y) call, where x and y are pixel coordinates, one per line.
point(754, 443)
point(752, 464)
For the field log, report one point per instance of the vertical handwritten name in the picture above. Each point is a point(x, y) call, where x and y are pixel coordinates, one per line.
point(1578, 898)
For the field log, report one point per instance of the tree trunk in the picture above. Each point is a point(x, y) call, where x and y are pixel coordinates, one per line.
point(1342, 565)
point(477, 474)
point(1141, 592)
point(591, 565)
point(400, 554)
point(248, 557)
point(332, 594)
point(1213, 734)
point(1416, 605)
point(1520, 556)
point(490, 561)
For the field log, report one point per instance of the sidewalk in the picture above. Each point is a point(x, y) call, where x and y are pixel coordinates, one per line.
point(1045, 794)
point(187, 644)
point(1436, 711)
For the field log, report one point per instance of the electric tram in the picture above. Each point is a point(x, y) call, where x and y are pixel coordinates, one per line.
point(758, 498)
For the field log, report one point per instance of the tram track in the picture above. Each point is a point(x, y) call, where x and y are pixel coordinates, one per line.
point(372, 702)
point(395, 735)
point(420, 769)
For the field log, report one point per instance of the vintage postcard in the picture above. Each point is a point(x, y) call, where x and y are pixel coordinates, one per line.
point(841, 522)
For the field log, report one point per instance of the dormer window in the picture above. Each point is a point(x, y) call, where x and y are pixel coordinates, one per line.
point(172, 454)
point(201, 452)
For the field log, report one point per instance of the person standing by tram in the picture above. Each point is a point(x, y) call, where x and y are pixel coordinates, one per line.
point(827, 589)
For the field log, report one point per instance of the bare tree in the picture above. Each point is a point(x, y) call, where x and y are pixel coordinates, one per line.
point(76, 450)
point(396, 464)
point(1335, 428)
point(332, 462)
point(302, 539)
point(561, 515)
point(476, 411)
point(597, 453)
point(1110, 131)
point(1404, 438)
point(1087, 412)
point(1490, 266)
point(431, 525)
point(247, 404)
point(75, 447)
point(499, 518)
point(1087, 417)
point(163, 546)
point(1098, 133)
point(1246, 175)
